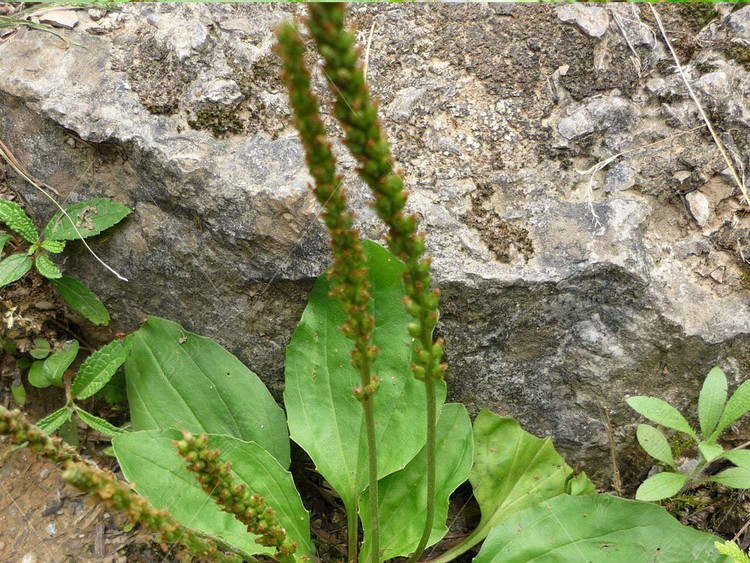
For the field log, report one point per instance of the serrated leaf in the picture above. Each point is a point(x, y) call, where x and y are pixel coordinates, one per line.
point(711, 401)
point(150, 460)
point(513, 470)
point(177, 379)
point(57, 363)
point(15, 217)
point(13, 268)
point(38, 376)
point(655, 444)
point(736, 407)
point(661, 412)
point(98, 424)
point(4, 238)
point(47, 268)
point(596, 528)
point(734, 477)
point(320, 380)
point(82, 299)
point(41, 349)
point(90, 218)
point(661, 485)
point(54, 420)
point(54, 246)
point(710, 451)
point(740, 458)
point(403, 495)
point(19, 393)
point(732, 550)
point(99, 368)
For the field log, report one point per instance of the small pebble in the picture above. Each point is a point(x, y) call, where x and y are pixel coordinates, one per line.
point(51, 529)
point(43, 474)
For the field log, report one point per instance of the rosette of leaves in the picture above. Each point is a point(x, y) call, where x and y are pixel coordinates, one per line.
point(85, 219)
point(715, 414)
point(94, 373)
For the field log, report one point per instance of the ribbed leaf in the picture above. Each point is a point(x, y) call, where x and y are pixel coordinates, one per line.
point(740, 458)
point(735, 477)
point(403, 495)
point(324, 416)
point(177, 379)
point(655, 444)
point(98, 424)
point(596, 528)
point(13, 268)
point(12, 215)
point(99, 368)
point(512, 470)
point(736, 407)
point(90, 217)
point(47, 268)
point(661, 485)
point(711, 401)
point(4, 238)
point(54, 246)
point(82, 299)
point(54, 420)
point(151, 461)
point(661, 412)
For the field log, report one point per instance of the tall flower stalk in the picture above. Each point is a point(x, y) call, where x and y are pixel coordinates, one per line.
point(349, 270)
point(365, 139)
point(114, 494)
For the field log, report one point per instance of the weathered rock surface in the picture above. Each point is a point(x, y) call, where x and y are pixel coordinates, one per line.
point(560, 299)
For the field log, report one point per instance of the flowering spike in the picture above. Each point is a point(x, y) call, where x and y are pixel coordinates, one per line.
point(86, 476)
point(216, 479)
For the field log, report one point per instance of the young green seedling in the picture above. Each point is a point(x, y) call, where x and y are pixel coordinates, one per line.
point(715, 414)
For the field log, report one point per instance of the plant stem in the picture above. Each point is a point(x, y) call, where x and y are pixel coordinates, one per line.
point(372, 461)
point(429, 386)
point(352, 528)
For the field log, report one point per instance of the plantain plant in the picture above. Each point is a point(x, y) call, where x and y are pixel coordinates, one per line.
point(715, 414)
point(364, 396)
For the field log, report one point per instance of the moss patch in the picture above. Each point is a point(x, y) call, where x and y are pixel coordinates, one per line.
point(739, 52)
point(218, 119)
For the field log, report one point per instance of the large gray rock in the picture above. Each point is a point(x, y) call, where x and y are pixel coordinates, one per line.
point(560, 299)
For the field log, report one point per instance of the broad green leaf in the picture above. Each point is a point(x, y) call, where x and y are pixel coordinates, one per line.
point(54, 420)
point(38, 376)
point(596, 528)
point(13, 268)
point(580, 485)
point(99, 368)
point(710, 451)
point(98, 424)
point(177, 379)
point(740, 458)
point(4, 238)
point(115, 390)
point(47, 268)
point(711, 401)
point(513, 470)
point(403, 495)
point(736, 407)
point(82, 299)
point(661, 412)
point(655, 444)
point(56, 364)
point(90, 217)
point(41, 349)
point(661, 485)
point(54, 246)
point(735, 477)
point(320, 383)
point(12, 215)
point(19, 392)
point(151, 461)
